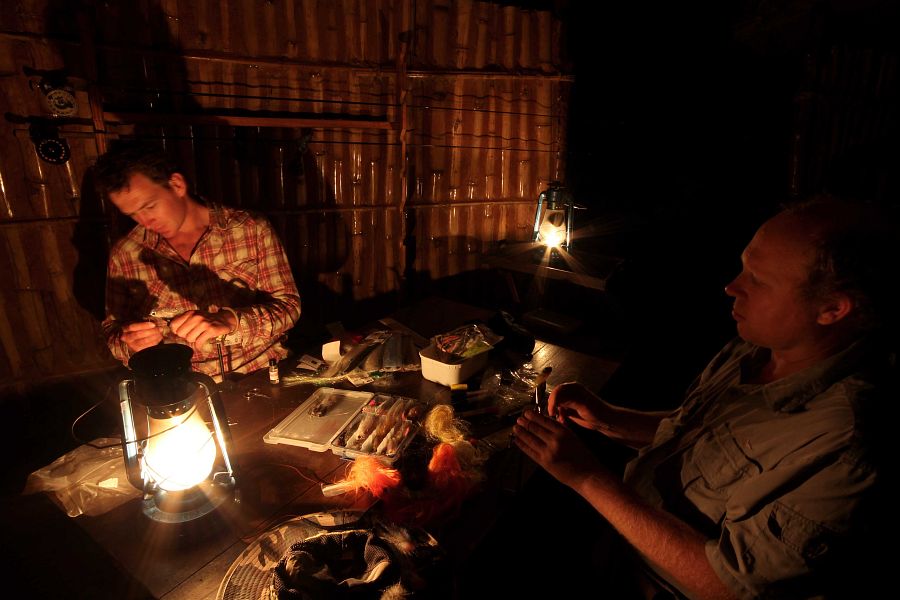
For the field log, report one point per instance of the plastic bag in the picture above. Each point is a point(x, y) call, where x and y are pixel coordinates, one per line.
point(87, 480)
point(380, 353)
point(466, 341)
point(511, 389)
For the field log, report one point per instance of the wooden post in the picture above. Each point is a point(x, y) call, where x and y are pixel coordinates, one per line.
point(407, 238)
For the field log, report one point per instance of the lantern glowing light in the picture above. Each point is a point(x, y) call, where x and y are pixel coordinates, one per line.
point(553, 237)
point(180, 451)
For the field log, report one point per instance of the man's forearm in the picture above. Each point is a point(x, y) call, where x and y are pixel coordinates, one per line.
point(269, 319)
point(659, 536)
point(633, 427)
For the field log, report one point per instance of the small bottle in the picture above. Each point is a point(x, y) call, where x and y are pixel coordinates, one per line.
point(274, 377)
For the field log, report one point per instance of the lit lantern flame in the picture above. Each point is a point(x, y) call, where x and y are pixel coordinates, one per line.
point(553, 228)
point(554, 238)
point(180, 451)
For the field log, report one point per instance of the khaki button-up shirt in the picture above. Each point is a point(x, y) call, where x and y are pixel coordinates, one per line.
point(774, 474)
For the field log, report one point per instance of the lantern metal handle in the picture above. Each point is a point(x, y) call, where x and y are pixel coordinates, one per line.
point(217, 414)
point(129, 435)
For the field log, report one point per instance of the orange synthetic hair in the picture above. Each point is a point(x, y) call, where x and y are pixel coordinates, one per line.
point(366, 473)
point(444, 470)
point(448, 485)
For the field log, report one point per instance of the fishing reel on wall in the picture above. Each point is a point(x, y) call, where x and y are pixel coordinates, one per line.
point(44, 134)
point(58, 98)
point(58, 93)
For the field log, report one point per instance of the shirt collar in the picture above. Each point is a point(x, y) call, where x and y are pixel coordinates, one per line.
point(217, 217)
point(791, 393)
point(148, 239)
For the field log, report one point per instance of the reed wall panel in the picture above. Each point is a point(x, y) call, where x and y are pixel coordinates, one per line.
point(44, 329)
point(462, 131)
point(483, 139)
point(453, 239)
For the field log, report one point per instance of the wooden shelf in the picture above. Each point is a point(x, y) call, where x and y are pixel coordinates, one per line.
point(591, 271)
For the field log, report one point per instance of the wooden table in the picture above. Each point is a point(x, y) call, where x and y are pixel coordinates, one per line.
point(584, 269)
point(276, 481)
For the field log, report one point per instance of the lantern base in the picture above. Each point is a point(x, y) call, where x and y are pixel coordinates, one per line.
point(187, 505)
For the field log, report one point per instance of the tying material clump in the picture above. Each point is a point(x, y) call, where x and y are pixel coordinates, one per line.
point(365, 473)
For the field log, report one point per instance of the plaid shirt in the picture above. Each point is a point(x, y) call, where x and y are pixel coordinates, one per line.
point(238, 265)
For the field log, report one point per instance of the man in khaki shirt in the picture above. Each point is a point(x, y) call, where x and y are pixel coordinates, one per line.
point(763, 482)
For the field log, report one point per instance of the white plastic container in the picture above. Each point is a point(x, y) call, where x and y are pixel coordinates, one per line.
point(433, 369)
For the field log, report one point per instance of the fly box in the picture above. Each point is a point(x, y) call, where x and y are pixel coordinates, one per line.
point(351, 423)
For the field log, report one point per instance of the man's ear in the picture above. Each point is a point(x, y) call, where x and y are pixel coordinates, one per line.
point(836, 308)
point(178, 184)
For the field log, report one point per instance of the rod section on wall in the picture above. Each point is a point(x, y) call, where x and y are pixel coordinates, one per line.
point(479, 74)
point(237, 121)
point(210, 56)
point(45, 220)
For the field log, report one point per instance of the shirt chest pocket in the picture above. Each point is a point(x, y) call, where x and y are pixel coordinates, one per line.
point(242, 274)
point(720, 459)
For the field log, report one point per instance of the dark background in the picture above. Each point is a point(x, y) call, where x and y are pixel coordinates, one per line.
point(690, 124)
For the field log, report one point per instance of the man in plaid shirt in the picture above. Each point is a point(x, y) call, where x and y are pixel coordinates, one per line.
point(192, 273)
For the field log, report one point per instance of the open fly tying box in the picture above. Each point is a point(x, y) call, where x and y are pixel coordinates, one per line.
point(351, 423)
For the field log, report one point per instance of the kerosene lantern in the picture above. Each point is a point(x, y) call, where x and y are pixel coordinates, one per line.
point(554, 218)
point(171, 454)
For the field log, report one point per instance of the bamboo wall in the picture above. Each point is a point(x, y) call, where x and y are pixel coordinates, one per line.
point(353, 124)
